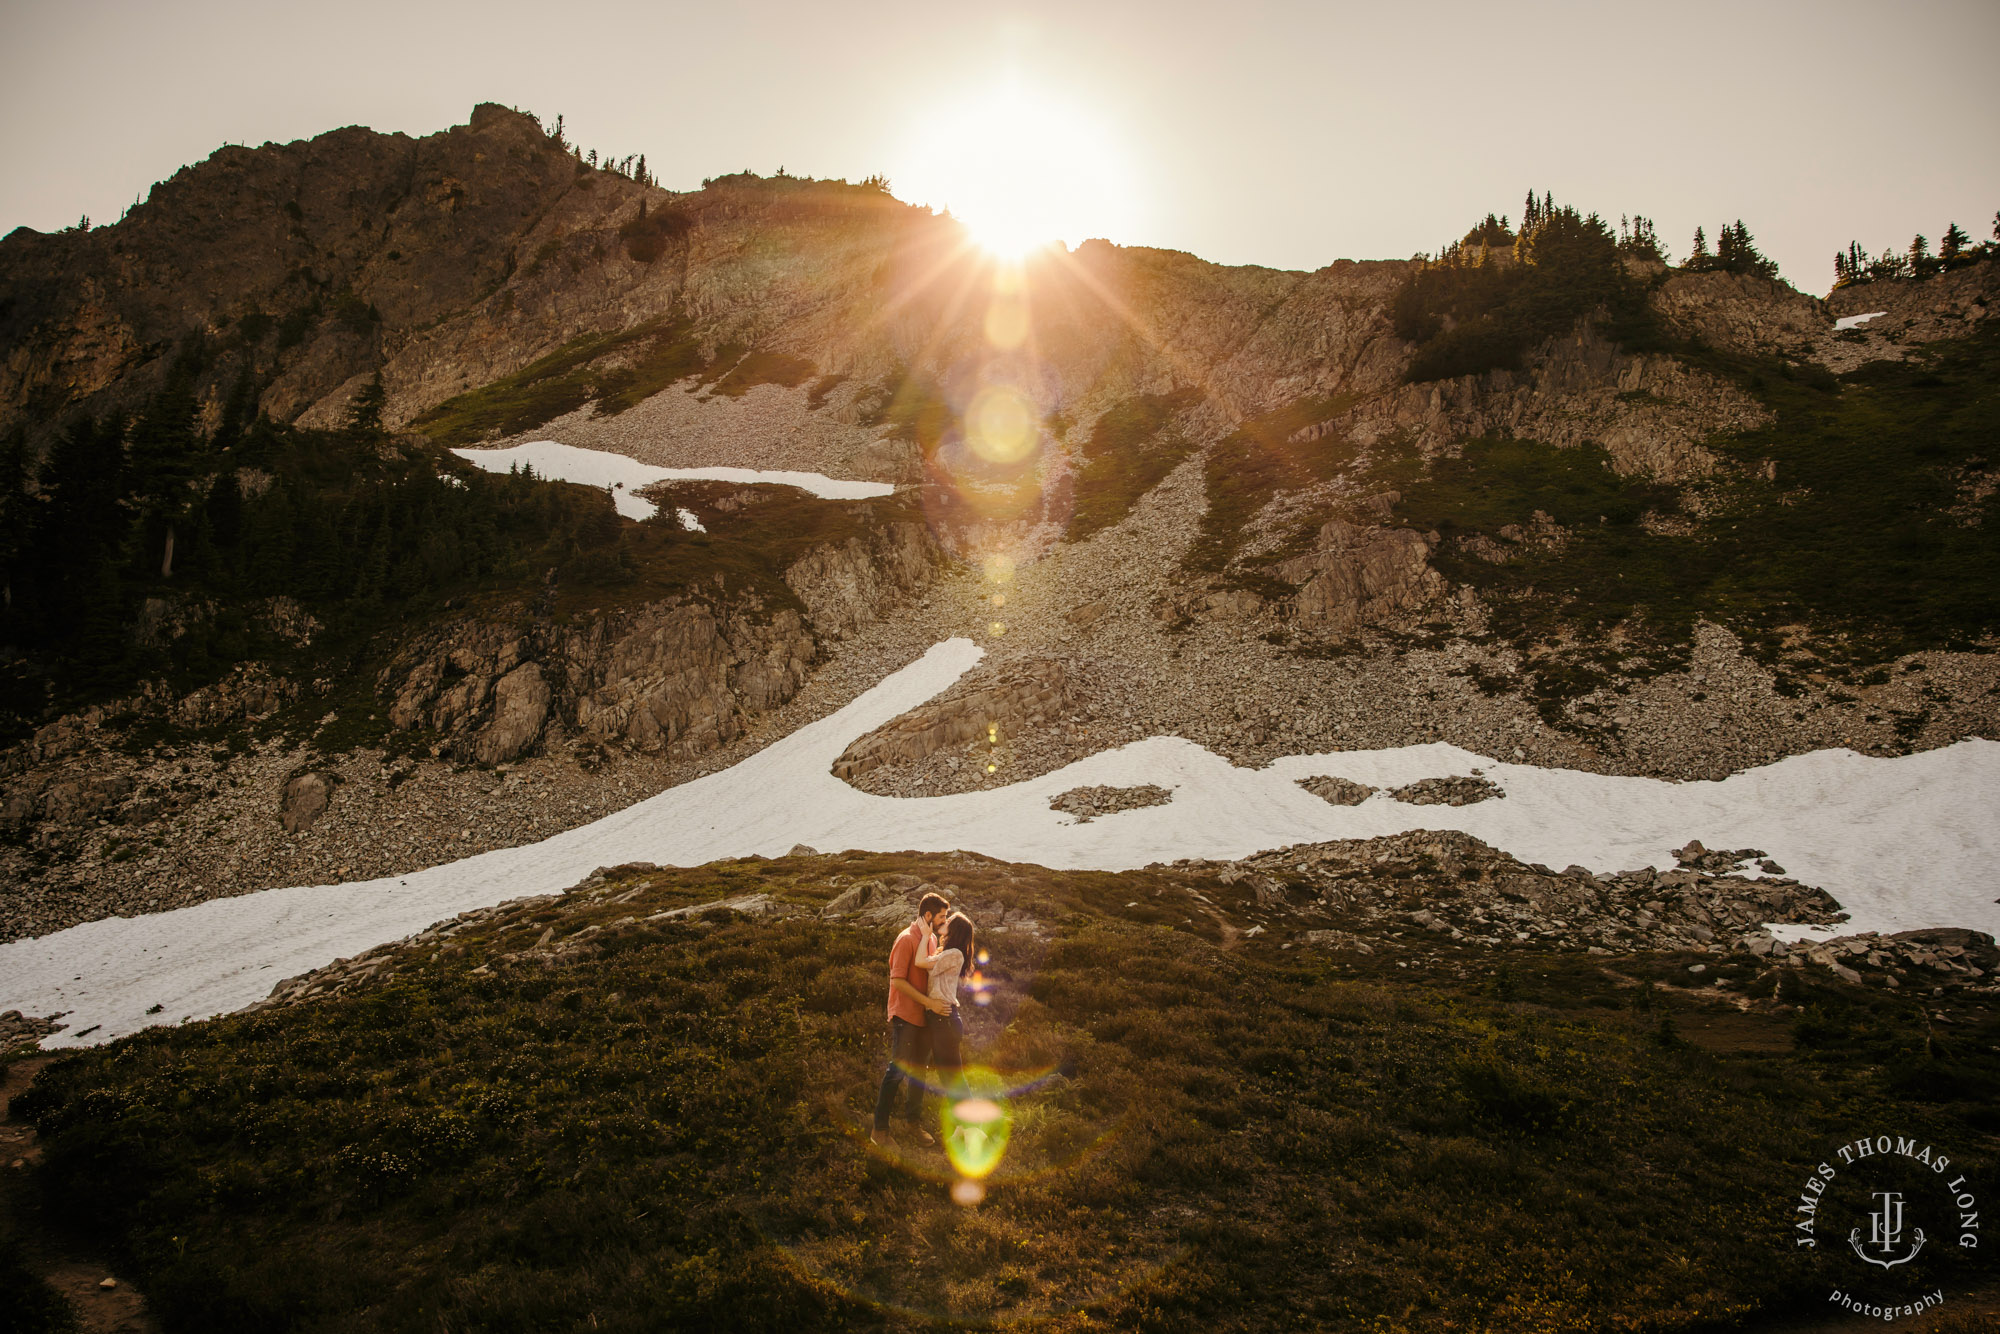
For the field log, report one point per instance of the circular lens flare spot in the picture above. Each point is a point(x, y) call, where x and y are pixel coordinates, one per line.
point(997, 629)
point(1000, 569)
point(967, 1192)
point(977, 1127)
point(1000, 425)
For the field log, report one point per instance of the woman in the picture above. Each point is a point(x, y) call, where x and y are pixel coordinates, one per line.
point(947, 967)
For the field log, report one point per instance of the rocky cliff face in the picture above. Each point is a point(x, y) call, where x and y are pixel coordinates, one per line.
point(827, 327)
point(677, 676)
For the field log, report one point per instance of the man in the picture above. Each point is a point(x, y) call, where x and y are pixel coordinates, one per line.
point(910, 1002)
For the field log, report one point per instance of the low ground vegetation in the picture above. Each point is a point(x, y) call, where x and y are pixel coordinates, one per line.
point(661, 1124)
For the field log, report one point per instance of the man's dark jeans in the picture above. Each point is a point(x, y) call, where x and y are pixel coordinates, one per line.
point(909, 1053)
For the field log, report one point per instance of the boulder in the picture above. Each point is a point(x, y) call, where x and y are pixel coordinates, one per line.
point(520, 707)
point(1359, 576)
point(305, 799)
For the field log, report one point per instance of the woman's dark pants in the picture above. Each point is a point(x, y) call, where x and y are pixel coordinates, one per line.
point(948, 1051)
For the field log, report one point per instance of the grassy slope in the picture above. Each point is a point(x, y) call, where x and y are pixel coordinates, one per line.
point(655, 355)
point(1130, 451)
point(1254, 463)
point(664, 1132)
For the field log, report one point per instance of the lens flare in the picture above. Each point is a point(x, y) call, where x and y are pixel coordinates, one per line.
point(1000, 425)
point(977, 1126)
point(1007, 322)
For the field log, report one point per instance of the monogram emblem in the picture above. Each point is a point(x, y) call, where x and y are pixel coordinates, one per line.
point(1885, 1233)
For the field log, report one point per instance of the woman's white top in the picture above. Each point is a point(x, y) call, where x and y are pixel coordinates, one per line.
point(946, 965)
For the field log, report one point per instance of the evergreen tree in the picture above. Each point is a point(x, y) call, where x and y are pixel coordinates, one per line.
point(1889, 264)
point(1736, 252)
point(164, 448)
point(1698, 257)
point(364, 412)
point(237, 411)
point(80, 523)
point(223, 509)
point(15, 526)
point(1641, 239)
point(1921, 265)
point(1953, 245)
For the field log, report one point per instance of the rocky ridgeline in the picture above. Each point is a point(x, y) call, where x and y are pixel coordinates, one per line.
point(1087, 803)
point(1429, 889)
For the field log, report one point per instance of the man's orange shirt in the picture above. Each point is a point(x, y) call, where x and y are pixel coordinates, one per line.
point(901, 956)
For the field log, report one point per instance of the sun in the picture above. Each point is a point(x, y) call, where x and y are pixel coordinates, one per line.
point(1021, 168)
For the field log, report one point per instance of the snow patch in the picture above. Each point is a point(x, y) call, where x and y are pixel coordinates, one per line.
point(1856, 321)
point(1902, 843)
point(690, 520)
point(622, 476)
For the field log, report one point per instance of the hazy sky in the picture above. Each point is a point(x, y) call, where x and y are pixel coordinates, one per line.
point(1281, 134)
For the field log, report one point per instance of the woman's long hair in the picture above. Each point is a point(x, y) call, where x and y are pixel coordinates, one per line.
point(958, 936)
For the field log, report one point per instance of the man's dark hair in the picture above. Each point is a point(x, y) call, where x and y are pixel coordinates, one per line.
point(931, 903)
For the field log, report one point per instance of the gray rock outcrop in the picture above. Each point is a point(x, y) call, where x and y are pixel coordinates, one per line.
point(1358, 576)
point(846, 586)
point(1456, 790)
point(676, 676)
point(304, 800)
point(1337, 791)
point(520, 706)
point(1025, 695)
point(1087, 803)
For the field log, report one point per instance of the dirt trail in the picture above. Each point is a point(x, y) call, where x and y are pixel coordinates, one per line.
point(71, 1265)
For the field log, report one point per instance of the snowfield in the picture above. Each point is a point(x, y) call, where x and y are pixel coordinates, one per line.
point(1856, 321)
point(622, 476)
point(1901, 843)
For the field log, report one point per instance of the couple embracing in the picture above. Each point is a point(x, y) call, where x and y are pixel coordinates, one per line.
point(925, 1030)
